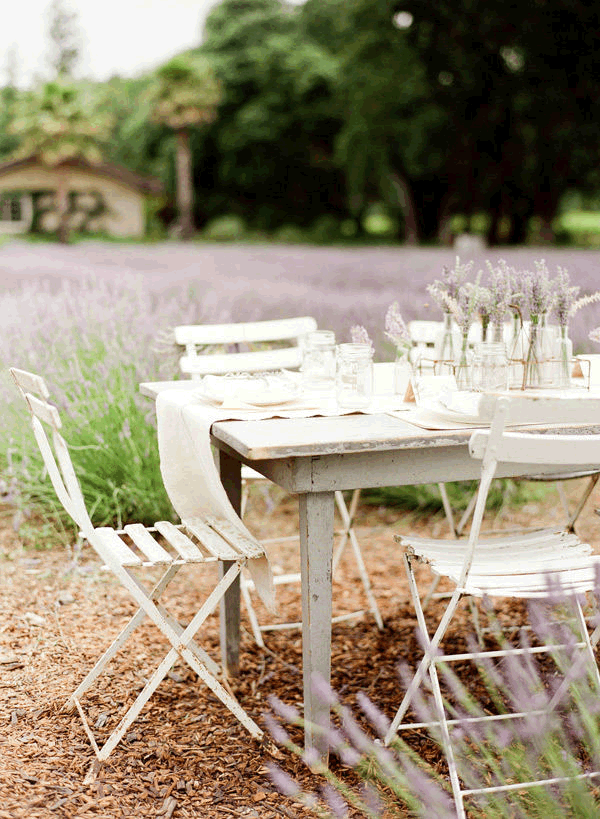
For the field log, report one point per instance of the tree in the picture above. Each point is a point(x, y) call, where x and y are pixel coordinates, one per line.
point(185, 95)
point(57, 124)
point(274, 138)
point(65, 39)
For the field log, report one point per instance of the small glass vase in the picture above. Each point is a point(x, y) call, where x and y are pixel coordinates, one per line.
point(462, 365)
point(516, 352)
point(447, 345)
point(402, 370)
point(538, 366)
point(563, 354)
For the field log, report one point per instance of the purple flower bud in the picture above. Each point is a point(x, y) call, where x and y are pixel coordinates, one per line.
point(282, 781)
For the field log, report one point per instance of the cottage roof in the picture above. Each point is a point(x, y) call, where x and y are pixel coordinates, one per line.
point(143, 184)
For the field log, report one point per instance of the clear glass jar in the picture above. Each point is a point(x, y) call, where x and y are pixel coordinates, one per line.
point(354, 379)
point(462, 364)
point(539, 370)
point(447, 345)
point(318, 362)
point(490, 367)
point(563, 353)
point(402, 370)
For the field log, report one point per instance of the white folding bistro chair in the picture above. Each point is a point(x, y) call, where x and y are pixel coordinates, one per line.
point(134, 554)
point(424, 334)
point(254, 347)
point(522, 566)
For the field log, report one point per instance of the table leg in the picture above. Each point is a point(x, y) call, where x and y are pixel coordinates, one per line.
point(316, 547)
point(229, 613)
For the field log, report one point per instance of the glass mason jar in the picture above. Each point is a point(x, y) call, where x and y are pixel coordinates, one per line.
point(318, 362)
point(490, 367)
point(354, 379)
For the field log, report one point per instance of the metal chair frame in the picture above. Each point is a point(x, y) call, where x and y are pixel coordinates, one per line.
point(511, 566)
point(137, 551)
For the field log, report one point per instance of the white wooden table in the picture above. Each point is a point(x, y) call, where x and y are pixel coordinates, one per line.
point(313, 457)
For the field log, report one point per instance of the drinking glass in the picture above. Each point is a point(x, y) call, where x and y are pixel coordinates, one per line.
point(354, 379)
point(318, 362)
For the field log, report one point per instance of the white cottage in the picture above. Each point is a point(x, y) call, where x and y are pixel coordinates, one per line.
point(102, 198)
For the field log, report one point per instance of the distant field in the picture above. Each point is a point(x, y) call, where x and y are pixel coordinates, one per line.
point(339, 286)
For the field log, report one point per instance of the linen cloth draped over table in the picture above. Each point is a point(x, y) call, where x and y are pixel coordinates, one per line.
point(188, 468)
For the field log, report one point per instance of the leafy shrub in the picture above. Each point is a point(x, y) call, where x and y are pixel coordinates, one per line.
point(229, 228)
point(94, 343)
point(289, 234)
point(324, 230)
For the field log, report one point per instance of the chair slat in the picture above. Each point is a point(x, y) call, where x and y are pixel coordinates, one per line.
point(181, 542)
point(44, 411)
point(147, 544)
point(258, 361)
point(242, 544)
point(211, 540)
point(30, 382)
point(111, 541)
point(250, 332)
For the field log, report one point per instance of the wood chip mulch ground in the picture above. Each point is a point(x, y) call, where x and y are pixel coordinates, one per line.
point(185, 756)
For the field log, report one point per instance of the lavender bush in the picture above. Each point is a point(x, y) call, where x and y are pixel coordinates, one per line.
point(561, 742)
point(94, 342)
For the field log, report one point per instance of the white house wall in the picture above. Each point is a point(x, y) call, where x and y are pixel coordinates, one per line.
point(125, 205)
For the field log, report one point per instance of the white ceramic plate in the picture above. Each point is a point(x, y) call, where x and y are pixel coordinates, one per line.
point(266, 391)
point(447, 413)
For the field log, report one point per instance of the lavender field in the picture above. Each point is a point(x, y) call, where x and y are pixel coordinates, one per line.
point(95, 320)
point(339, 286)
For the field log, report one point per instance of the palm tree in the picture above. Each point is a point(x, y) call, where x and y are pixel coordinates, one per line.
point(185, 94)
point(58, 124)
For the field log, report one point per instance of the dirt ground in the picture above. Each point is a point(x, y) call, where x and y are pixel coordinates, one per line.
point(186, 756)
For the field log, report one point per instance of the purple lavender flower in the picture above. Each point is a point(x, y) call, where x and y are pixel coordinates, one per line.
point(283, 781)
point(501, 288)
point(594, 335)
point(395, 327)
point(565, 297)
point(359, 335)
point(337, 805)
point(447, 290)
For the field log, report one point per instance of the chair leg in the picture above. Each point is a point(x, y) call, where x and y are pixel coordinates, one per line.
point(430, 649)
point(466, 515)
point(251, 612)
point(348, 534)
point(115, 646)
point(586, 653)
point(572, 518)
point(447, 509)
point(183, 645)
point(446, 741)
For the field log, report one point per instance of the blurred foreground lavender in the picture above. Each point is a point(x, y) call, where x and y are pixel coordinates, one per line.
point(562, 742)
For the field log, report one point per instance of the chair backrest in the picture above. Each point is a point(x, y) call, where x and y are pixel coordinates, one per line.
point(502, 445)
point(243, 347)
point(57, 460)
